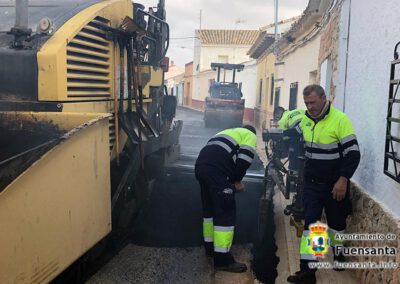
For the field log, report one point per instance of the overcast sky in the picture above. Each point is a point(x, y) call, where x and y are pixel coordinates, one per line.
point(183, 17)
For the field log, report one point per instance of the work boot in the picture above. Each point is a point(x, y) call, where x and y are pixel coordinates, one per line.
point(339, 258)
point(209, 247)
point(303, 277)
point(226, 262)
point(235, 267)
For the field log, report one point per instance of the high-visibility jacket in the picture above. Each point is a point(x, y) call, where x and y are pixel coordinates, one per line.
point(291, 118)
point(231, 151)
point(331, 146)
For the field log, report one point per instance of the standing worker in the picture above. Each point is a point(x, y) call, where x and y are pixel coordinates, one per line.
point(277, 115)
point(332, 156)
point(219, 169)
point(289, 120)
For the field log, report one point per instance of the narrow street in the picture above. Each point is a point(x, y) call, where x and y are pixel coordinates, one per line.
point(167, 238)
point(166, 247)
point(105, 106)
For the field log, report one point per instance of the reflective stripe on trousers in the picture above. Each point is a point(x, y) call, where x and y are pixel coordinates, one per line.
point(223, 237)
point(305, 251)
point(208, 230)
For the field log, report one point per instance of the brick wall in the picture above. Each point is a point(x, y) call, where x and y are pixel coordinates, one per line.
point(197, 104)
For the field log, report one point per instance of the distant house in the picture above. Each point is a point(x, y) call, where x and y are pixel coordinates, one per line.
point(223, 46)
point(174, 81)
point(188, 81)
point(297, 56)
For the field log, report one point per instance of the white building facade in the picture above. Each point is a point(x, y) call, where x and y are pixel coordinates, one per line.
point(365, 52)
point(218, 46)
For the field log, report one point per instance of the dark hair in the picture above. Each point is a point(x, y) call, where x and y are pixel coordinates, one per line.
point(251, 128)
point(279, 108)
point(314, 88)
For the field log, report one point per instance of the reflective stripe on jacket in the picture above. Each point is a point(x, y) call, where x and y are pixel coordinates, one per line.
point(331, 146)
point(231, 150)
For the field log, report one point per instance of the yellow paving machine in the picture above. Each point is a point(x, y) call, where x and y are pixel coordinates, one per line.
point(85, 126)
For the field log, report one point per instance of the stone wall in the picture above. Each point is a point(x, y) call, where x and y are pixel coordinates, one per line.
point(371, 217)
point(329, 47)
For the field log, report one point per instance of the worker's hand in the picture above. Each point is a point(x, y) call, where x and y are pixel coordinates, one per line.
point(239, 186)
point(339, 189)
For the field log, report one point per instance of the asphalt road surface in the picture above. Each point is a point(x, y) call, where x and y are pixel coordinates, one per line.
point(166, 244)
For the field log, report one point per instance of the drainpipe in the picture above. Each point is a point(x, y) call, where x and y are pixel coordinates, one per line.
point(347, 57)
point(276, 24)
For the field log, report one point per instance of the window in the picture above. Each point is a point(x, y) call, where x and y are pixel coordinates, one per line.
point(271, 94)
point(222, 58)
point(293, 95)
point(277, 97)
point(188, 94)
point(260, 92)
point(211, 82)
point(326, 76)
point(187, 89)
point(313, 77)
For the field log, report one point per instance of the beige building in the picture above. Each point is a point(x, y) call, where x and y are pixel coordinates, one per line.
point(188, 83)
point(264, 79)
point(201, 84)
point(262, 51)
point(174, 81)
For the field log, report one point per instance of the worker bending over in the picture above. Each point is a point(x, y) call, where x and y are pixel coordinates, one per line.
point(220, 168)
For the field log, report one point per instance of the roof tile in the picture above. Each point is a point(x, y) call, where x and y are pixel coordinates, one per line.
point(228, 37)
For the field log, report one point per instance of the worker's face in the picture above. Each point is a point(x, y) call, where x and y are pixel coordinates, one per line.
point(314, 103)
point(278, 115)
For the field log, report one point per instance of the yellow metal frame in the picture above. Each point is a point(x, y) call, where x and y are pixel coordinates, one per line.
point(52, 57)
point(60, 207)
